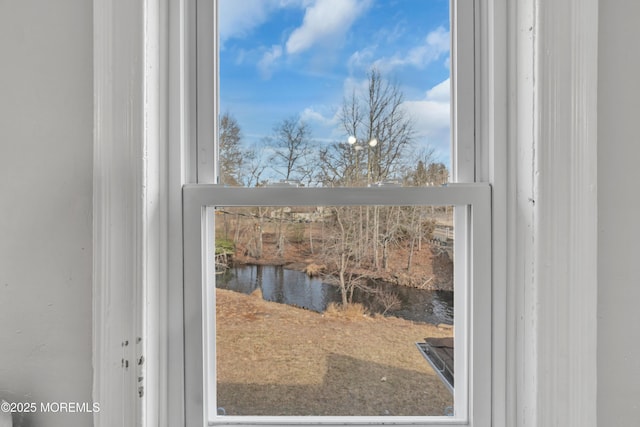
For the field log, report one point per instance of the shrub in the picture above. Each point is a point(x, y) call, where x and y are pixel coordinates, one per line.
point(352, 311)
point(389, 301)
point(225, 246)
point(313, 270)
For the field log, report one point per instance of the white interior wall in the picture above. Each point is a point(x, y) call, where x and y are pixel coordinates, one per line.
point(618, 214)
point(46, 137)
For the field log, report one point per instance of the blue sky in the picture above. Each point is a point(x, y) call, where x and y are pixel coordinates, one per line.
point(300, 58)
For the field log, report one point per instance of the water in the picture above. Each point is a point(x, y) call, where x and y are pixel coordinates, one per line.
point(296, 288)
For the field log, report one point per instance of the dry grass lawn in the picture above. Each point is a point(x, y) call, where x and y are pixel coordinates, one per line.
point(274, 359)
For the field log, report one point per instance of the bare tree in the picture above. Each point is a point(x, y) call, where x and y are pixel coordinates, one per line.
point(339, 250)
point(393, 227)
point(251, 234)
point(255, 165)
point(437, 174)
point(416, 174)
point(384, 134)
point(292, 149)
point(238, 165)
point(419, 226)
point(388, 300)
point(378, 115)
point(231, 155)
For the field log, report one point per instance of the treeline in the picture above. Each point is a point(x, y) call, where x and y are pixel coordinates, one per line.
point(348, 244)
point(379, 146)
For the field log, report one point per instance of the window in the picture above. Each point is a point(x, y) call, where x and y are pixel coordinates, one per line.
point(362, 182)
point(472, 326)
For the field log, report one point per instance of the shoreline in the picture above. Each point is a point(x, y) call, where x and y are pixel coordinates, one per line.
point(397, 279)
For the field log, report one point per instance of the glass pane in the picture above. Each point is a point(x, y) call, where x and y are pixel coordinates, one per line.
point(334, 310)
point(334, 93)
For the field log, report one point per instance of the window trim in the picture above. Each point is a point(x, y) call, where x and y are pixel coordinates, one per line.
point(509, 80)
point(475, 396)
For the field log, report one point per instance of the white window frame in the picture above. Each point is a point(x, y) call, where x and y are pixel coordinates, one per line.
point(472, 394)
point(465, 164)
point(530, 53)
point(466, 156)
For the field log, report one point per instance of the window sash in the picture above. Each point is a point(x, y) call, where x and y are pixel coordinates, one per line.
point(471, 262)
point(472, 315)
point(203, 89)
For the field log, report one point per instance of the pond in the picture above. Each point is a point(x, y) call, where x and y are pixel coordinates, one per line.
point(296, 288)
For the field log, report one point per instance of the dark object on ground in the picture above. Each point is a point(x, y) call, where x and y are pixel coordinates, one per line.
point(439, 354)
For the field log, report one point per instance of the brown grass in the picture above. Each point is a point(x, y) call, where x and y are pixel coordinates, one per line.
point(273, 359)
point(314, 270)
point(352, 311)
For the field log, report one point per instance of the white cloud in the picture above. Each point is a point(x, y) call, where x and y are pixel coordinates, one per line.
point(269, 60)
point(352, 86)
point(239, 18)
point(439, 41)
point(325, 20)
point(361, 59)
point(440, 92)
point(311, 115)
point(432, 117)
point(436, 44)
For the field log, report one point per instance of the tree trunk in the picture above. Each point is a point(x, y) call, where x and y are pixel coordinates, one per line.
point(385, 254)
point(415, 235)
point(259, 240)
point(343, 281)
point(410, 257)
point(374, 240)
point(237, 233)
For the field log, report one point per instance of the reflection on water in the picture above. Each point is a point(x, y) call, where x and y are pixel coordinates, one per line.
point(296, 288)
